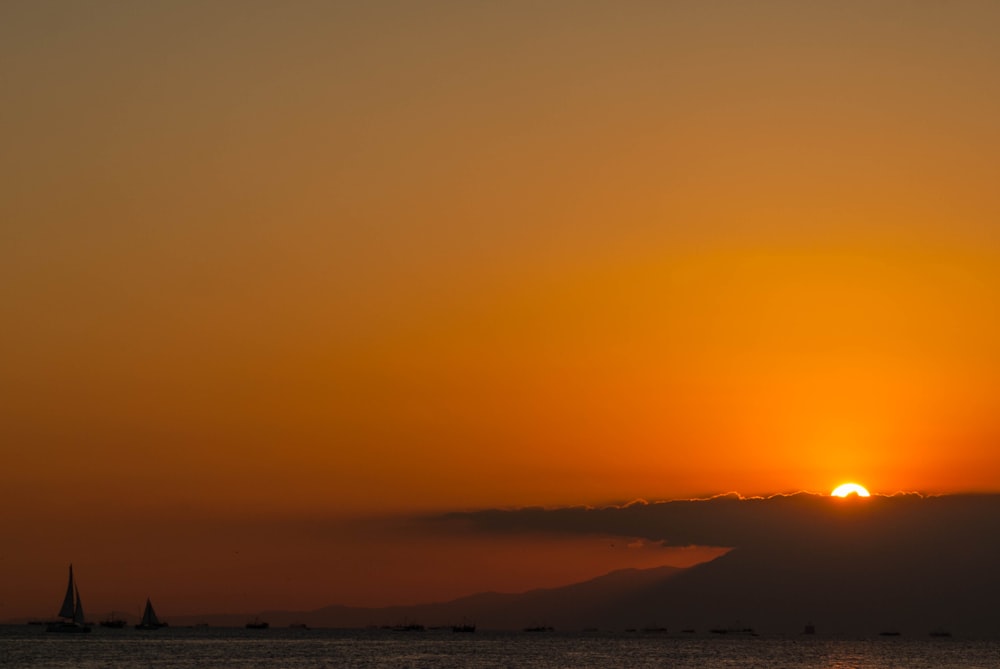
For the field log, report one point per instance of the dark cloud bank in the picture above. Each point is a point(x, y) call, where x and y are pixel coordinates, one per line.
point(904, 563)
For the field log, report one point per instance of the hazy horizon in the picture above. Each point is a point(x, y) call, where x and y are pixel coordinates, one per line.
point(653, 534)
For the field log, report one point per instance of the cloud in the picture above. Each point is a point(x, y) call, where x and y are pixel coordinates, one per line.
point(771, 522)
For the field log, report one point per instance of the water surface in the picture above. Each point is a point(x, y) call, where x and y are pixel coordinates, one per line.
point(225, 648)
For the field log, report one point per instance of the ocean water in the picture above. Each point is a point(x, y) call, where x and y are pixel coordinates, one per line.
point(225, 648)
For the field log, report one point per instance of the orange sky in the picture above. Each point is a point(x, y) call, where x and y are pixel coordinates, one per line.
point(314, 259)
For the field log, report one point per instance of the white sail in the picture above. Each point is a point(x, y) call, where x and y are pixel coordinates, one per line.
point(68, 606)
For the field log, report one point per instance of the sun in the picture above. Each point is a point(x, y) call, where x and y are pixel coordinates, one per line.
point(850, 489)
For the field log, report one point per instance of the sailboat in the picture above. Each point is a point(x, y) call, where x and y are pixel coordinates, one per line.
point(149, 620)
point(73, 620)
point(113, 621)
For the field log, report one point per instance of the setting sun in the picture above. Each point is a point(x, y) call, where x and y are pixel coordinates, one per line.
point(850, 489)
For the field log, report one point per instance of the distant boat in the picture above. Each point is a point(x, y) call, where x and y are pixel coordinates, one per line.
point(810, 629)
point(298, 626)
point(539, 628)
point(939, 633)
point(149, 620)
point(407, 627)
point(257, 624)
point(73, 620)
point(113, 621)
point(464, 628)
point(889, 633)
point(740, 631)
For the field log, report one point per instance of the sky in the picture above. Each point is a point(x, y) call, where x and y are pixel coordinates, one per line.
point(276, 276)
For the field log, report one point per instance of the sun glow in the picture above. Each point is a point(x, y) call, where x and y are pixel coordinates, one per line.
point(850, 489)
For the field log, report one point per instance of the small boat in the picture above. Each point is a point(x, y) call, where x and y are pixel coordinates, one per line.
point(738, 631)
point(809, 629)
point(464, 628)
point(408, 627)
point(257, 624)
point(298, 626)
point(889, 633)
point(539, 628)
point(113, 622)
point(149, 620)
point(940, 632)
point(73, 620)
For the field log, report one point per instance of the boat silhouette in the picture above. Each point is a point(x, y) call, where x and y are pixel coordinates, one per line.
point(71, 612)
point(113, 622)
point(738, 631)
point(539, 628)
point(149, 620)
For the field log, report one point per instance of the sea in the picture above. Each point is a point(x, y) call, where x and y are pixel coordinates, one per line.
point(24, 646)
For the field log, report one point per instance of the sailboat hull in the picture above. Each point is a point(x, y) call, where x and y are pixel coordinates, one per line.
point(67, 628)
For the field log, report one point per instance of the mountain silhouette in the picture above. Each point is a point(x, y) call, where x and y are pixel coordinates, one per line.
point(573, 606)
point(857, 565)
point(900, 565)
point(904, 563)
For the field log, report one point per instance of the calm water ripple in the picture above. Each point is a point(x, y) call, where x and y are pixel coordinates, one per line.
point(220, 648)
